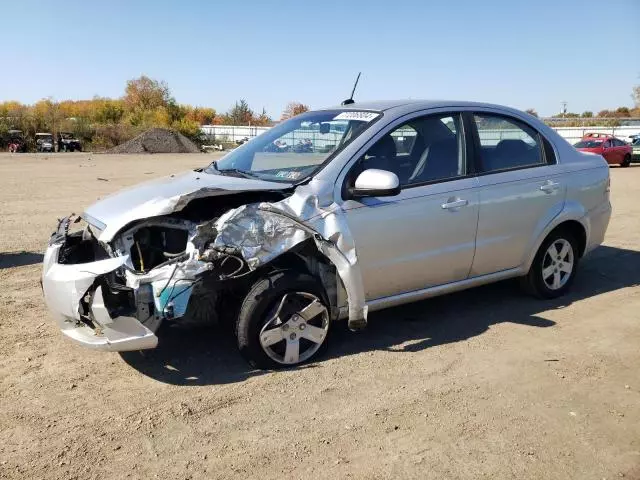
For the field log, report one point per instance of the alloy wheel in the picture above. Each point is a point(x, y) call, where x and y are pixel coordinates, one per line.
point(296, 330)
point(557, 264)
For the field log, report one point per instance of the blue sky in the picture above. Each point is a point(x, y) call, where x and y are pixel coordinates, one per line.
point(523, 54)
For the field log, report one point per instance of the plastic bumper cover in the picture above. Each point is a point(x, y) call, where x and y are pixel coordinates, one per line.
point(64, 286)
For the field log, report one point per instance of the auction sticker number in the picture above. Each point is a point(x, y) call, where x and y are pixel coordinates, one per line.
point(361, 116)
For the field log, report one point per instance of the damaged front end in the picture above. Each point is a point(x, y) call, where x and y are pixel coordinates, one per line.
point(113, 295)
point(88, 307)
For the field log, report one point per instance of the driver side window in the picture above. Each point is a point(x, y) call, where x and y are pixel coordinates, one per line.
point(424, 150)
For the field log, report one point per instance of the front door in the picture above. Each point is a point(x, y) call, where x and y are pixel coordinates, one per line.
point(608, 152)
point(425, 236)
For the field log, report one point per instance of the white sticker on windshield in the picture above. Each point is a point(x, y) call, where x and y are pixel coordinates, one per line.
point(362, 116)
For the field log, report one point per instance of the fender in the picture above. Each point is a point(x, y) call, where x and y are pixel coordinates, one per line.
point(571, 210)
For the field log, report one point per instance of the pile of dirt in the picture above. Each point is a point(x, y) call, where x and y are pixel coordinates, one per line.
point(157, 140)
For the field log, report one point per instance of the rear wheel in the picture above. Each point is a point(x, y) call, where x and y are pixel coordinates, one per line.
point(284, 321)
point(627, 161)
point(554, 266)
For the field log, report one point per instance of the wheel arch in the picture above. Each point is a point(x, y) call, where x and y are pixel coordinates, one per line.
point(307, 258)
point(574, 218)
point(578, 231)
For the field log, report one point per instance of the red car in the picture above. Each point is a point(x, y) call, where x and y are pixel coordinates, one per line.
point(614, 150)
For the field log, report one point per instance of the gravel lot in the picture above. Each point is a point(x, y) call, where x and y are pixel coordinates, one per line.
point(483, 383)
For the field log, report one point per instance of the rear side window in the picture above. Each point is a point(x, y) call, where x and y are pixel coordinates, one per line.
point(589, 144)
point(507, 144)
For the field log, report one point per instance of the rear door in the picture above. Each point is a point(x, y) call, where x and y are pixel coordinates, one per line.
point(520, 190)
point(621, 149)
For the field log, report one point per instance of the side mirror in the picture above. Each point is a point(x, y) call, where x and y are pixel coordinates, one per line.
point(375, 183)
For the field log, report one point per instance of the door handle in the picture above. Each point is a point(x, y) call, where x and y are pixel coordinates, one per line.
point(453, 203)
point(550, 187)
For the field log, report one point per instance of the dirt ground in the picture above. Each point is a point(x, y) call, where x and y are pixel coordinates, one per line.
point(484, 383)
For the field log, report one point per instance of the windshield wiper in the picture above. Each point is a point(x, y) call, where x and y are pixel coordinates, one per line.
point(237, 172)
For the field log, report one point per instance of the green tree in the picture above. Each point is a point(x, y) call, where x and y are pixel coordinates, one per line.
point(239, 114)
point(587, 114)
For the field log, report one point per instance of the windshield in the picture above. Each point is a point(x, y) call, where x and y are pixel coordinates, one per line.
point(589, 144)
point(296, 148)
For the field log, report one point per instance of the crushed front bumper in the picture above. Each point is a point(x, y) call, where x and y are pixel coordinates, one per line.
point(65, 287)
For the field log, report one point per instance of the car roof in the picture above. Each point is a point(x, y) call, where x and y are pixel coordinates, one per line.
point(411, 105)
point(598, 135)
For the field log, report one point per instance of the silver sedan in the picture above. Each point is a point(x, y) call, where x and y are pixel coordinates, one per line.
point(331, 214)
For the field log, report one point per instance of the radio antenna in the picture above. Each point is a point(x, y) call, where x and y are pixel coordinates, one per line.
point(350, 100)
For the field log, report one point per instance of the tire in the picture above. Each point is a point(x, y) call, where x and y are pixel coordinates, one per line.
point(283, 294)
point(534, 282)
point(626, 162)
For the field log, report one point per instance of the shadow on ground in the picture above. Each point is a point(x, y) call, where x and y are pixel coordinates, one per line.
point(19, 259)
point(204, 357)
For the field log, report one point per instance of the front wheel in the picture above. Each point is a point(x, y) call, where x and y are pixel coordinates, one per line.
point(627, 161)
point(284, 321)
point(554, 266)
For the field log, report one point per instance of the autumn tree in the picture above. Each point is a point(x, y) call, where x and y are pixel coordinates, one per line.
point(200, 115)
point(623, 112)
point(263, 120)
point(294, 108)
point(105, 122)
point(146, 94)
point(109, 111)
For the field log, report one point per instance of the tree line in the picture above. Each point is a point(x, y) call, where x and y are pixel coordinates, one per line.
point(102, 123)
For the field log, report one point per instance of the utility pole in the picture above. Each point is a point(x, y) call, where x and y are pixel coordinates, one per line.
point(564, 108)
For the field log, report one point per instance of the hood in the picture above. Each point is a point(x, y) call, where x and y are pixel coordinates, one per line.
point(163, 196)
